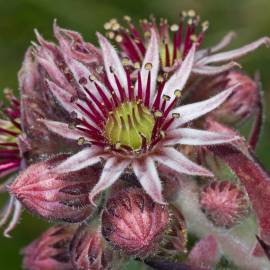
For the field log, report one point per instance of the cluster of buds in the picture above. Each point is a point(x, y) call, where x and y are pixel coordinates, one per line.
point(106, 143)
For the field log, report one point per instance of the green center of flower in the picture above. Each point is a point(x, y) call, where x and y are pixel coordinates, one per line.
point(130, 124)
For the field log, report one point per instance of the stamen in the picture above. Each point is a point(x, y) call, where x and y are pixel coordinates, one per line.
point(177, 93)
point(158, 113)
point(167, 55)
point(97, 102)
point(139, 97)
point(95, 118)
point(110, 88)
point(120, 89)
point(148, 66)
point(176, 115)
point(104, 97)
point(158, 96)
point(130, 90)
point(81, 141)
point(147, 91)
point(137, 65)
point(167, 124)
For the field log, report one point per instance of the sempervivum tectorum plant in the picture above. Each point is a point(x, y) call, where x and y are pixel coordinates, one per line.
point(93, 116)
point(132, 123)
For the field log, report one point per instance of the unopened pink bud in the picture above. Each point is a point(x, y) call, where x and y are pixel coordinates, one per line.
point(58, 197)
point(88, 250)
point(176, 236)
point(224, 203)
point(133, 223)
point(50, 251)
point(243, 101)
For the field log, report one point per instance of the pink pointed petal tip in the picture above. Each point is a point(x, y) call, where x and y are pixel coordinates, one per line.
point(14, 220)
point(152, 58)
point(178, 162)
point(237, 53)
point(63, 130)
point(226, 40)
point(62, 96)
point(181, 76)
point(112, 170)
point(148, 177)
point(193, 111)
point(83, 159)
point(112, 63)
point(190, 136)
point(214, 70)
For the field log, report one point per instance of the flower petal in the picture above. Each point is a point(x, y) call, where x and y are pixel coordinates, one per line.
point(190, 136)
point(62, 96)
point(195, 110)
point(237, 53)
point(15, 218)
point(148, 177)
point(63, 130)
point(111, 172)
point(213, 70)
point(178, 162)
point(181, 75)
point(85, 158)
point(112, 61)
point(67, 38)
point(224, 42)
point(152, 57)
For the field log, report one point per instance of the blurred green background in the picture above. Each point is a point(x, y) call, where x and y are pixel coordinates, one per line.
point(249, 18)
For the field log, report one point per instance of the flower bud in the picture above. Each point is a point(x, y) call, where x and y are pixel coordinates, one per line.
point(88, 251)
point(50, 251)
point(224, 203)
point(204, 253)
point(176, 236)
point(58, 197)
point(240, 104)
point(133, 223)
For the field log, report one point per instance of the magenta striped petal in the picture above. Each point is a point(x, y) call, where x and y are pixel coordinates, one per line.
point(62, 96)
point(237, 53)
point(190, 136)
point(195, 110)
point(113, 63)
point(112, 170)
point(178, 162)
point(63, 130)
point(224, 42)
point(147, 175)
point(85, 158)
point(180, 77)
point(151, 57)
point(213, 70)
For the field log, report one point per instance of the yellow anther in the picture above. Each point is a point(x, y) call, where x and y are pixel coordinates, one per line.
point(148, 66)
